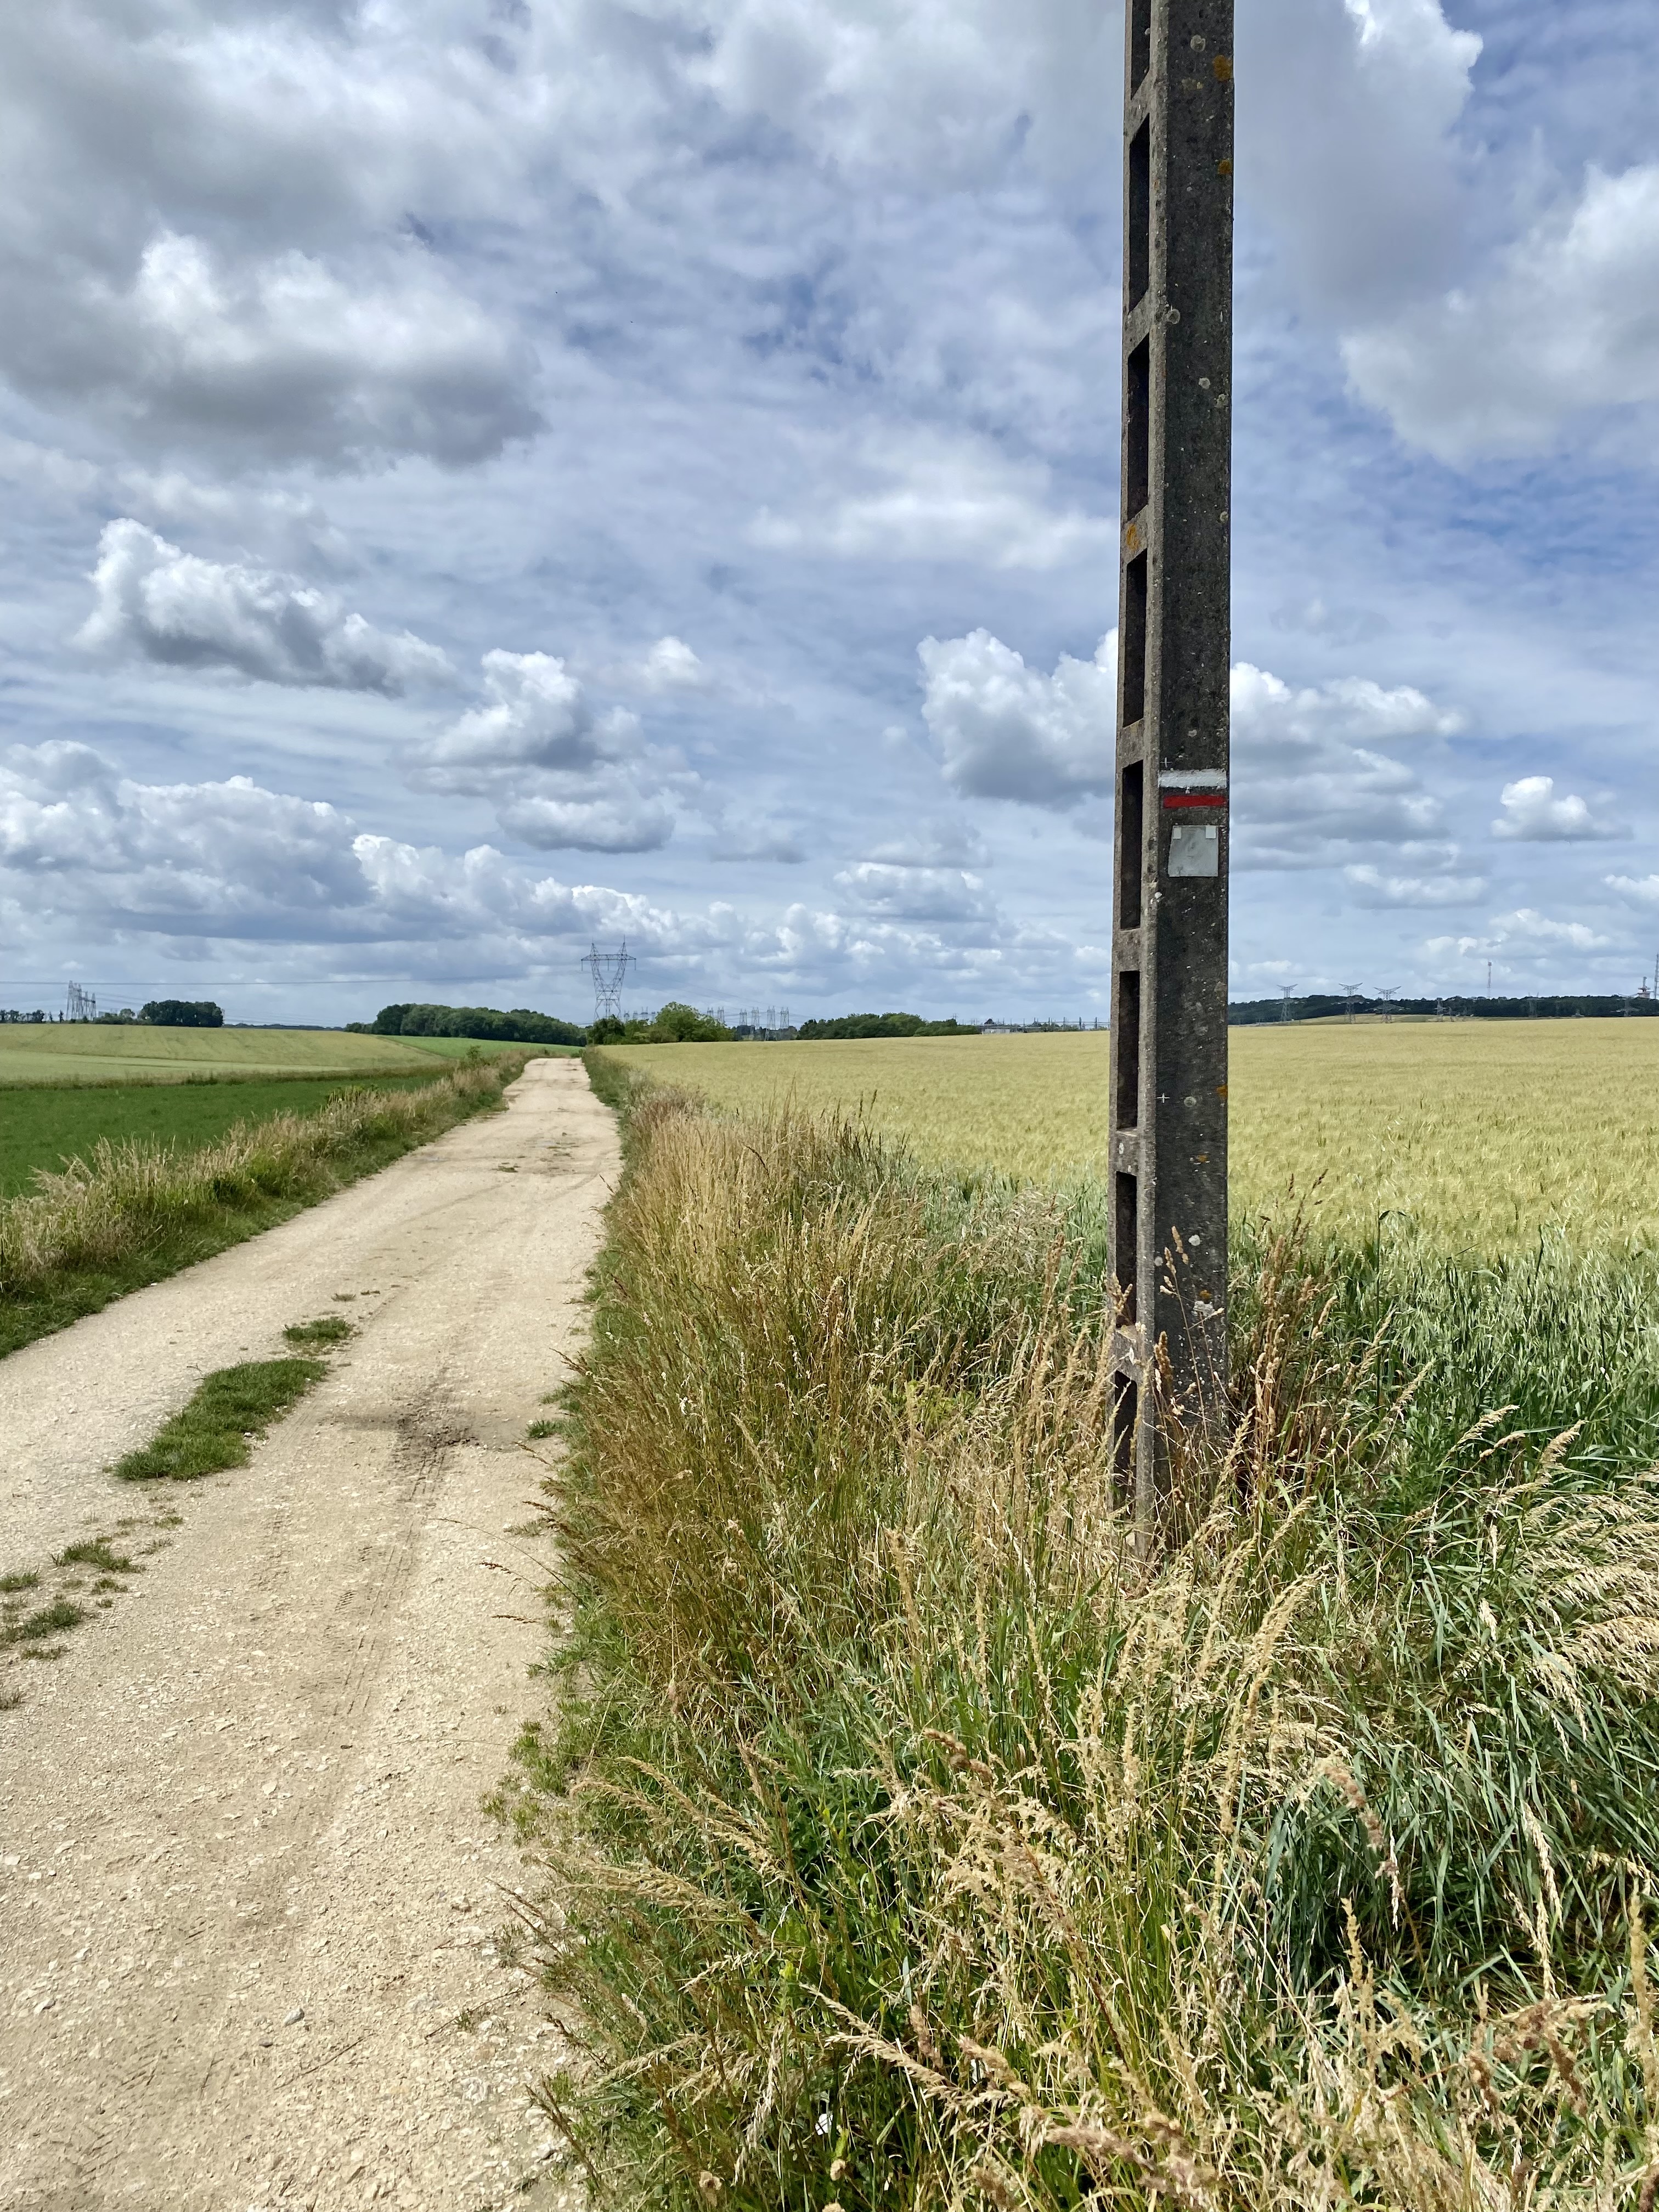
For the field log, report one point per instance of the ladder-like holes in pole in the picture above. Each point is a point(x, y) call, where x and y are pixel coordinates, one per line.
point(1132, 627)
point(1136, 429)
point(1131, 834)
point(1126, 1237)
point(1140, 41)
point(1137, 222)
point(1126, 1409)
point(1126, 1020)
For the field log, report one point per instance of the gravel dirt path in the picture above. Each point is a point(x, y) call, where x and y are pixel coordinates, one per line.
point(254, 1946)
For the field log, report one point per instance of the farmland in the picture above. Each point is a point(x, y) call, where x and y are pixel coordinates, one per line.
point(172, 1172)
point(71, 1086)
point(1467, 1135)
point(47, 1125)
point(98, 1052)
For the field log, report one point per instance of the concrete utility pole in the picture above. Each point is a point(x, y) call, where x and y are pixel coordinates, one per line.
point(1169, 1074)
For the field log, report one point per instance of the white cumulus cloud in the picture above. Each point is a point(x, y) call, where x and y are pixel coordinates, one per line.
point(1347, 118)
point(229, 864)
point(1316, 780)
point(1525, 943)
point(932, 90)
point(911, 894)
point(158, 604)
point(1279, 718)
point(189, 860)
point(203, 236)
point(931, 498)
point(937, 841)
point(1532, 814)
point(671, 665)
point(742, 838)
point(623, 820)
point(537, 715)
point(559, 772)
point(1004, 730)
point(1566, 320)
point(1311, 782)
point(284, 359)
point(1635, 891)
point(1372, 886)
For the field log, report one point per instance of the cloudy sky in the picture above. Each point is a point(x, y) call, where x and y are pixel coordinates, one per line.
point(488, 475)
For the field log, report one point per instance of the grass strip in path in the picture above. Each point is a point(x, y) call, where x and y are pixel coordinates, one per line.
point(229, 1409)
point(49, 1620)
point(327, 1328)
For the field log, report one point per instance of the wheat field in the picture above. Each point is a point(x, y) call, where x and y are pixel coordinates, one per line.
point(1473, 1135)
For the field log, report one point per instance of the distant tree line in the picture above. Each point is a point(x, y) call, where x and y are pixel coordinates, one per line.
point(674, 1023)
point(1321, 1005)
point(521, 1025)
point(884, 1025)
point(160, 1013)
point(182, 1014)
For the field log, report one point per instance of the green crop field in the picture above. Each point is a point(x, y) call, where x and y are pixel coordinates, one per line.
point(1474, 1135)
point(45, 1126)
point(99, 1052)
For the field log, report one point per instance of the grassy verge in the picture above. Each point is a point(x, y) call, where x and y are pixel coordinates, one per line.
point(50, 1126)
point(918, 1843)
point(614, 1082)
point(133, 1213)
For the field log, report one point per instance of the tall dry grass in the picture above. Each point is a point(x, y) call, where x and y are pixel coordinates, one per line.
point(919, 1844)
point(126, 1199)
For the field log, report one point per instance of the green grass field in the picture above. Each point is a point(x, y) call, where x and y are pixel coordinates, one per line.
point(1474, 1135)
point(45, 1126)
point(96, 1052)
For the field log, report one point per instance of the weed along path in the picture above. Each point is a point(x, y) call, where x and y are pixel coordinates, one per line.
point(252, 1913)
